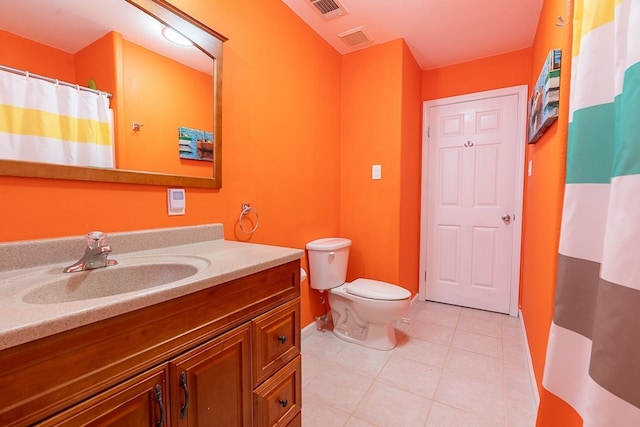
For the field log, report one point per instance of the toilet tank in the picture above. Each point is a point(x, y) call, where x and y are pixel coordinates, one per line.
point(328, 260)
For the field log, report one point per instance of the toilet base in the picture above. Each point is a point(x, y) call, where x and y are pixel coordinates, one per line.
point(380, 336)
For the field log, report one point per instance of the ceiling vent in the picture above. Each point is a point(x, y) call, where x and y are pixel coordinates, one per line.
point(329, 9)
point(356, 37)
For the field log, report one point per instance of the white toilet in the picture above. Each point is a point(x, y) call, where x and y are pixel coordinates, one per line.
point(363, 310)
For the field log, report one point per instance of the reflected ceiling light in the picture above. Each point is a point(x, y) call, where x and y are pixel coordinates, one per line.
point(175, 37)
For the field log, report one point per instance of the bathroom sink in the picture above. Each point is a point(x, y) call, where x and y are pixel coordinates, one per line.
point(129, 275)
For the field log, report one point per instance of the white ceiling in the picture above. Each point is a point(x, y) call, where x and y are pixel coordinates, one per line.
point(438, 32)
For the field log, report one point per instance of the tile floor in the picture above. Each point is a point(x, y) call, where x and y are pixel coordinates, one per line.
point(453, 367)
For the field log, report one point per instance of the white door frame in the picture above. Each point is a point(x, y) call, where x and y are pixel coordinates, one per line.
point(521, 117)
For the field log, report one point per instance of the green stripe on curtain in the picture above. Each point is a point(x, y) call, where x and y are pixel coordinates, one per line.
point(627, 109)
point(589, 155)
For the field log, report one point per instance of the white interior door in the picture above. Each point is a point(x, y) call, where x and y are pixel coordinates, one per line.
point(473, 186)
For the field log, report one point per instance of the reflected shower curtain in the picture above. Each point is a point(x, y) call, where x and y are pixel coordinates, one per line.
point(47, 122)
point(593, 356)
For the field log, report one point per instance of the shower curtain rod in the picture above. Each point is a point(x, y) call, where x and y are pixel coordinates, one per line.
point(50, 80)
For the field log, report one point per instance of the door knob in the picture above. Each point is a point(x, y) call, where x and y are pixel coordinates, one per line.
point(506, 218)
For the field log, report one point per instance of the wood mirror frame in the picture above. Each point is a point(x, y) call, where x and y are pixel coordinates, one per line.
point(207, 40)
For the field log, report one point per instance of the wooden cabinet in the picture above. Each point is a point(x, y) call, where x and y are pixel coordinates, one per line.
point(225, 356)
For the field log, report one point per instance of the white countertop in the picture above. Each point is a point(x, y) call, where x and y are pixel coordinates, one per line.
point(217, 260)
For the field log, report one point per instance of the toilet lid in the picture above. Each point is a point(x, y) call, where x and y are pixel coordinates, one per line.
point(375, 289)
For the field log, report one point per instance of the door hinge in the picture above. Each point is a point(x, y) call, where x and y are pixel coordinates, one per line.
point(428, 131)
point(425, 275)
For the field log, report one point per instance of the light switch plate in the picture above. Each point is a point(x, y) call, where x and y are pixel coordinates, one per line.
point(376, 171)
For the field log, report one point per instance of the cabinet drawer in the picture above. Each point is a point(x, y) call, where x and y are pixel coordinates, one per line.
point(277, 402)
point(276, 339)
point(296, 421)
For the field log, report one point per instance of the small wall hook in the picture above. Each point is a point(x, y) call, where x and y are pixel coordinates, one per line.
point(137, 127)
point(560, 22)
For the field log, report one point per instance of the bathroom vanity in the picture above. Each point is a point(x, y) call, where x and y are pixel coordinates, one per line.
point(219, 347)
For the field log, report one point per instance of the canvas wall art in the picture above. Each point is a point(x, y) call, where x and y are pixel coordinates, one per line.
point(195, 144)
point(543, 104)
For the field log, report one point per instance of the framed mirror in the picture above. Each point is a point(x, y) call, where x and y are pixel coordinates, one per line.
point(143, 167)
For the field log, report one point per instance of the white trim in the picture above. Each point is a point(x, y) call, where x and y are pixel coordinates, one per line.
point(521, 92)
point(532, 375)
point(308, 330)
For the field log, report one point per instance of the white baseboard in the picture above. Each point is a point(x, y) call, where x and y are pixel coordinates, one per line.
point(534, 385)
point(414, 300)
point(308, 330)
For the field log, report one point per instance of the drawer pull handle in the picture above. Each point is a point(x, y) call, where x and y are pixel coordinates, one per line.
point(283, 402)
point(282, 339)
point(183, 386)
point(157, 391)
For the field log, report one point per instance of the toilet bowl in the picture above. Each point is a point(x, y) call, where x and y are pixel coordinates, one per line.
point(363, 310)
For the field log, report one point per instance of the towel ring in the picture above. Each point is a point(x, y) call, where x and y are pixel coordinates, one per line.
point(246, 210)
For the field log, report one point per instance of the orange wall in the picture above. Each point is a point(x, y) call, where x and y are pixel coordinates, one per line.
point(410, 172)
point(381, 125)
point(543, 211)
point(97, 62)
point(544, 192)
point(281, 139)
point(162, 94)
point(36, 58)
point(495, 72)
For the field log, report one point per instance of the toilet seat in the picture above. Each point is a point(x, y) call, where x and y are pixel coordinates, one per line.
point(375, 289)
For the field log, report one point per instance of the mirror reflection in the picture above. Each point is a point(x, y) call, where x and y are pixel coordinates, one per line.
point(165, 96)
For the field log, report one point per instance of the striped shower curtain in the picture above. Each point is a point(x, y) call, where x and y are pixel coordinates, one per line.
point(593, 356)
point(47, 122)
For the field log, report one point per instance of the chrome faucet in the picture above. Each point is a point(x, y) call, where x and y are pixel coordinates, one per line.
point(95, 254)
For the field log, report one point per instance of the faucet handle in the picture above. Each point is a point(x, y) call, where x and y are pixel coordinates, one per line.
point(96, 239)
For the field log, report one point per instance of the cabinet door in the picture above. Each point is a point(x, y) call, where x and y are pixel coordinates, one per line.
point(140, 401)
point(211, 384)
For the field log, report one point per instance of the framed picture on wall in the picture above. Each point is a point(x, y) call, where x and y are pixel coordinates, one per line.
point(195, 144)
point(543, 104)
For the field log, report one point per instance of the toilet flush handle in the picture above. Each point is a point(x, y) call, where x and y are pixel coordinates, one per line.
point(332, 254)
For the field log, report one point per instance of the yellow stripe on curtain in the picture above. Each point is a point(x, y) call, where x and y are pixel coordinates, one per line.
point(27, 121)
point(42, 121)
point(589, 15)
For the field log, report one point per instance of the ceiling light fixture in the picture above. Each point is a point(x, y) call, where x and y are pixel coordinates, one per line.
point(175, 37)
